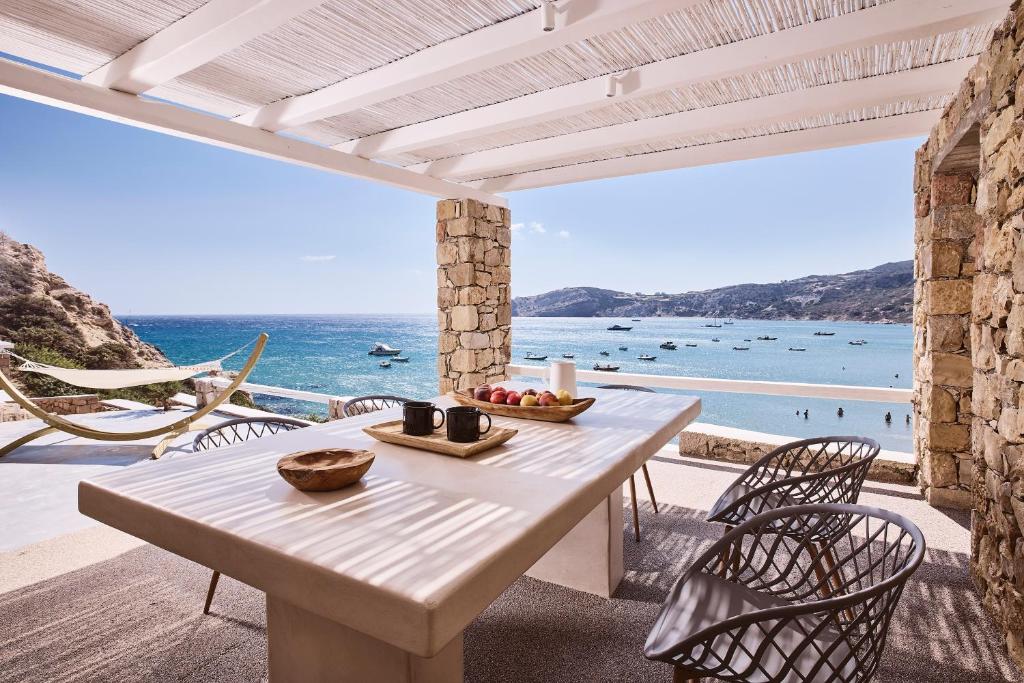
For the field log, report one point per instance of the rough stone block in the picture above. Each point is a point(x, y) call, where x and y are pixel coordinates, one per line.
point(951, 369)
point(464, 318)
point(942, 259)
point(945, 297)
point(945, 333)
point(949, 437)
point(954, 222)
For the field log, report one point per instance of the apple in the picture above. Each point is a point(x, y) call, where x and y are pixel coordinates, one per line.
point(513, 398)
point(548, 400)
point(482, 393)
point(499, 396)
point(564, 397)
point(530, 392)
point(528, 400)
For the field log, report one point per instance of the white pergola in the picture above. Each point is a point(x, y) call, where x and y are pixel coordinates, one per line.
point(471, 98)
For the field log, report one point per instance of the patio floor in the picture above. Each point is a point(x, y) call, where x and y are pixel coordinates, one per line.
point(138, 616)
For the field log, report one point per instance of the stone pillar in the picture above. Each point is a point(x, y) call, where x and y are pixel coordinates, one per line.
point(944, 269)
point(5, 363)
point(206, 392)
point(474, 302)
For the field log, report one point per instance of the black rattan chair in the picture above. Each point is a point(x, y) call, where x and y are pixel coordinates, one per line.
point(243, 429)
point(370, 404)
point(760, 606)
point(643, 468)
point(829, 469)
point(232, 432)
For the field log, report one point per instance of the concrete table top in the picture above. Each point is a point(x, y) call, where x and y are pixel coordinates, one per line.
point(422, 544)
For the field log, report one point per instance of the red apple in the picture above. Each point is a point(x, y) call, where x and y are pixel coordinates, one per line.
point(548, 400)
point(530, 392)
point(513, 398)
point(499, 396)
point(482, 393)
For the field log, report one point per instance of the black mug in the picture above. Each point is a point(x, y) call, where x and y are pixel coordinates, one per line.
point(464, 424)
point(418, 418)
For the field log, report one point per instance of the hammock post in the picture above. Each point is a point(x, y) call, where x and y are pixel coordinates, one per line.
point(176, 428)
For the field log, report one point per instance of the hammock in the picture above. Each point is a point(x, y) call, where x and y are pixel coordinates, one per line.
point(122, 379)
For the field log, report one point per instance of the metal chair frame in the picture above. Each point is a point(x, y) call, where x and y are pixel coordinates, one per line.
point(643, 468)
point(839, 615)
point(370, 404)
point(829, 469)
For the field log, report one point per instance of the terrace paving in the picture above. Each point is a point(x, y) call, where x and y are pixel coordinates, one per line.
point(135, 612)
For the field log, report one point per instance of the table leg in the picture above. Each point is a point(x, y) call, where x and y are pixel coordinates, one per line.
point(306, 648)
point(588, 558)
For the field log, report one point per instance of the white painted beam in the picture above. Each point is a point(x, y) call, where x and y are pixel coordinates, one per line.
point(474, 52)
point(892, 21)
point(734, 386)
point(214, 29)
point(862, 132)
point(34, 84)
point(924, 82)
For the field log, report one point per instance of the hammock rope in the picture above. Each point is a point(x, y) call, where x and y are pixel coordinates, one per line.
point(123, 379)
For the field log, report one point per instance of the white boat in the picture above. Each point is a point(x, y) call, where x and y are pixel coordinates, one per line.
point(381, 349)
point(669, 346)
point(606, 367)
point(793, 348)
point(385, 364)
point(401, 359)
point(533, 356)
point(568, 355)
point(646, 357)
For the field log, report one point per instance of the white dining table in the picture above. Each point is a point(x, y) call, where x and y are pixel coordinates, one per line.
point(377, 581)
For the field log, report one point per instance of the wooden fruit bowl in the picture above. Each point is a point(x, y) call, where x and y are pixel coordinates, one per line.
point(543, 413)
point(325, 470)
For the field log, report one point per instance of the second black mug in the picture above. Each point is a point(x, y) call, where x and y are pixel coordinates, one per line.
point(464, 424)
point(418, 418)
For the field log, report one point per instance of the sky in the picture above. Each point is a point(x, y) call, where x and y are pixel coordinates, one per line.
point(152, 224)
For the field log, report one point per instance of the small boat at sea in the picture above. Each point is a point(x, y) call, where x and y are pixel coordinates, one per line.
point(532, 356)
point(856, 343)
point(619, 328)
point(715, 339)
point(746, 340)
point(767, 338)
point(623, 348)
point(668, 346)
point(606, 367)
point(819, 333)
point(645, 356)
point(401, 359)
point(792, 348)
point(636, 320)
point(605, 353)
point(385, 364)
point(728, 322)
point(381, 349)
point(716, 325)
point(568, 355)
point(741, 348)
point(692, 346)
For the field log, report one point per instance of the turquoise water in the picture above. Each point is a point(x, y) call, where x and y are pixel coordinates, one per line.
point(328, 354)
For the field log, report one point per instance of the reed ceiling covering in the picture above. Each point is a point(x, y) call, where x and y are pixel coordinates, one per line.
point(437, 92)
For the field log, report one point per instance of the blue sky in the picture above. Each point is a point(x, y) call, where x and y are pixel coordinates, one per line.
point(154, 224)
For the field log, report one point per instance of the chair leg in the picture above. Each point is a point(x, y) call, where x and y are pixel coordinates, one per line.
point(636, 512)
point(209, 593)
point(650, 487)
point(683, 676)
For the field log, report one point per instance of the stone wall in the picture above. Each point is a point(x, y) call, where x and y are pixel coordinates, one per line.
point(70, 405)
point(474, 302)
point(12, 412)
point(715, 442)
point(974, 155)
point(944, 273)
point(5, 364)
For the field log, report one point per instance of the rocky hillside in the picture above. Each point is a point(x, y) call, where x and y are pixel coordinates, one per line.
point(40, 309)
point(881, 294)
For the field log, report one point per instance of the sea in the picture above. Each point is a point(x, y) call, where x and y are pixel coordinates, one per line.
point(328, 354)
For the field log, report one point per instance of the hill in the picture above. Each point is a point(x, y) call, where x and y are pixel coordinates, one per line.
point(882, 294)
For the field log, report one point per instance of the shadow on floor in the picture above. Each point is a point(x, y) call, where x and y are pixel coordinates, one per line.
point(139, 618)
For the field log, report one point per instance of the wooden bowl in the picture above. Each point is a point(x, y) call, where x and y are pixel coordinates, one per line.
point(543, 413)
point(324, 470)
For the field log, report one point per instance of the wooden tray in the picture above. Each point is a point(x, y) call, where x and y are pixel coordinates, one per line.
point(391, 432)
point(544, 413)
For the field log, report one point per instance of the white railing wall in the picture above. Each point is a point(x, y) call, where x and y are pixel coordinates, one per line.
point(735, 386)
point(282, 392)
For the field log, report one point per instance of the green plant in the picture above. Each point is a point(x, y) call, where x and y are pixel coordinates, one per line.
point(36, 384)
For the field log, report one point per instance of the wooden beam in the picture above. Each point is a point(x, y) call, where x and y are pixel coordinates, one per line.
point(924, 82)
point(214, 29)
point(40, 86)
point(862, 132)
point(474, 52)
point(892, 21)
